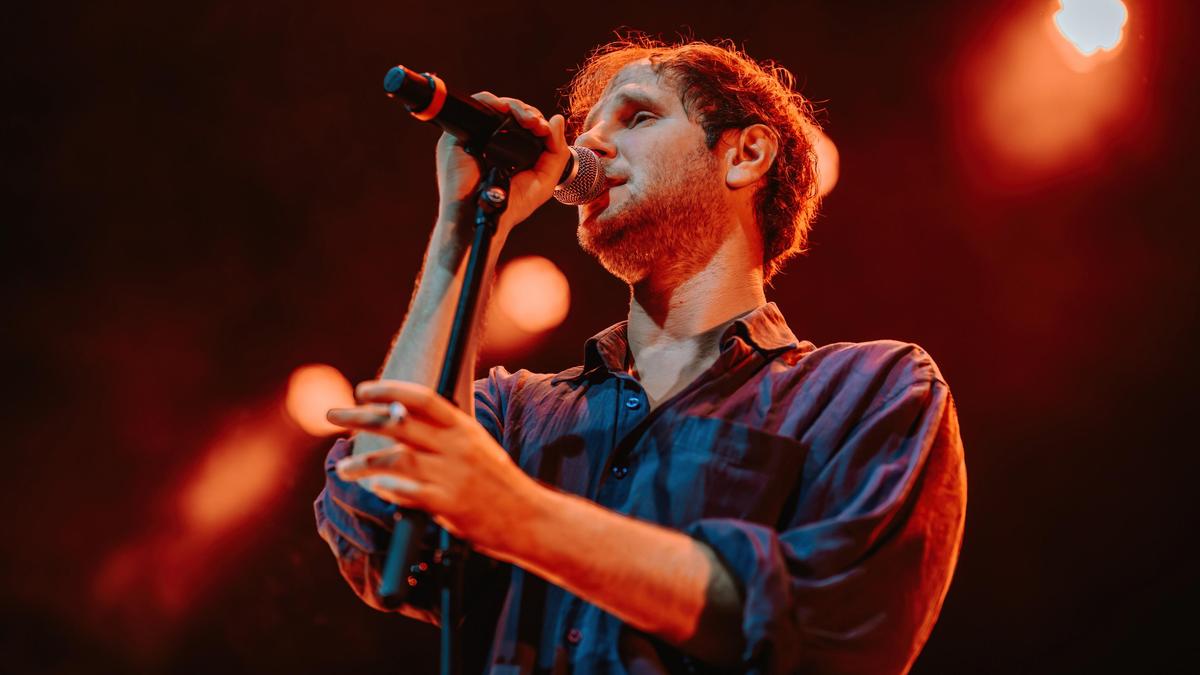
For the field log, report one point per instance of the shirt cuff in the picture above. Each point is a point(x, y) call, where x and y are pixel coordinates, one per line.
point(353, 512)
point(752, 556)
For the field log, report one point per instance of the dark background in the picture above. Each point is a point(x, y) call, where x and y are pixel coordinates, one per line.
point(199, 198)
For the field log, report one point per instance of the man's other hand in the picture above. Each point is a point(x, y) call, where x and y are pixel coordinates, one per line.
point(442, 462)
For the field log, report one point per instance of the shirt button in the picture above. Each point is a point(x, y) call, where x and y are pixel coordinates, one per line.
point(633, 403)
point(574, 636)
point(620, 471)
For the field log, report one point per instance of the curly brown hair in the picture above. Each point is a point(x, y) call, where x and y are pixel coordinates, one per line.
point(723, 88)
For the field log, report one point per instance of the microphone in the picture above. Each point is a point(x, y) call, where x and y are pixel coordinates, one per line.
point(497, 138)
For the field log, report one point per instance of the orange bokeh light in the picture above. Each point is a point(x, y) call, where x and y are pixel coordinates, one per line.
point(828, 163)
point(531, 296)
point(314, 389)
point(235, 477)
point(534, 293)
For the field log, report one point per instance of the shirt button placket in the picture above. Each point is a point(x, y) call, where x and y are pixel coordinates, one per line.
point(632, 402)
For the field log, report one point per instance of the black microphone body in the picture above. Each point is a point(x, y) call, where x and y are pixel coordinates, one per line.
point(497, 139)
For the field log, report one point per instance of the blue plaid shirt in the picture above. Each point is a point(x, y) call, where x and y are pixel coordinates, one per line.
point(830, 482)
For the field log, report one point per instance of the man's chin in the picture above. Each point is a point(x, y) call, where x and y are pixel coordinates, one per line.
point(619, 263)
point(616, 248)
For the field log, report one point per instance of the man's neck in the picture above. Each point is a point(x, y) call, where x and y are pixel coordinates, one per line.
point(675, 324)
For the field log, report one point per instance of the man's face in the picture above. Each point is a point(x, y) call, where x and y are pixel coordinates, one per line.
point(665, 204)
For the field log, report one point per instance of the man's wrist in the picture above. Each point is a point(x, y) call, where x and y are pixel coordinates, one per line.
point(531, 506)
point(452, 240)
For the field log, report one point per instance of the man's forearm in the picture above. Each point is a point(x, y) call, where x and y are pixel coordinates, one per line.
point(417, 351)
point(658, 580)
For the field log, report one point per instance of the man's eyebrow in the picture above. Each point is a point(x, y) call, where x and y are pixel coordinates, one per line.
point(622, 97)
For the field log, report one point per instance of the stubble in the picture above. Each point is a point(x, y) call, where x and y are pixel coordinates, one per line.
point(674, 226)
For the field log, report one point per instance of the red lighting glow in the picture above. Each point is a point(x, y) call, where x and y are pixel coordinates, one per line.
point(200, 524)
point(1033, 106)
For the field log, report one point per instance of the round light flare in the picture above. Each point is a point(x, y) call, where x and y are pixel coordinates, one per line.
point(828, 163)
point(533, 293)
point(1092, 25)
point(312, 390)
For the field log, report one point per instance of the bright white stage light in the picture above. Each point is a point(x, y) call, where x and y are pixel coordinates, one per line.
point(1092, 25)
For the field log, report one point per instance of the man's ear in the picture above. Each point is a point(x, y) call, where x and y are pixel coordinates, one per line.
point(750, 154)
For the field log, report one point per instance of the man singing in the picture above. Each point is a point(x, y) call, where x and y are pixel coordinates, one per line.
point(706, 492)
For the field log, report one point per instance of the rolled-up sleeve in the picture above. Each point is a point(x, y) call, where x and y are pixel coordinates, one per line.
point(854, 578)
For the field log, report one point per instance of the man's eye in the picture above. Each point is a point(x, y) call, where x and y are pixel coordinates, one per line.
point(640, 117)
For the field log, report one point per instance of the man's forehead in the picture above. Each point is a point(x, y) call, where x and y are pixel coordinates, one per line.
point(637, 72)
point(638, 79)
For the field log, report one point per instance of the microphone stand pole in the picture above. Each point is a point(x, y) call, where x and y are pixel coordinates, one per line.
point(404, 552)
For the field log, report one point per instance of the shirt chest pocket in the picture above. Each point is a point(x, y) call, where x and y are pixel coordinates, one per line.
point(714, 468)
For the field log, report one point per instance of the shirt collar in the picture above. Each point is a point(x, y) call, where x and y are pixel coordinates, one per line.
point(763, 328)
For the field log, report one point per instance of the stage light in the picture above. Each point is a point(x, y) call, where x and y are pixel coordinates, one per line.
point(534, 293)
point(312, 390)
point(828, 163)
point(1091, 25)
point(1033, 106)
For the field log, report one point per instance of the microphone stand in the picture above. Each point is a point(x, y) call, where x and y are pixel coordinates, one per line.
point(403, 560)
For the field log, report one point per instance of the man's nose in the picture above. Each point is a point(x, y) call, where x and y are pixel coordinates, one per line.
point(598, 142)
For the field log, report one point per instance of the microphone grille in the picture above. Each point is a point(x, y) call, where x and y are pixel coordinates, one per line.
point(586, 181)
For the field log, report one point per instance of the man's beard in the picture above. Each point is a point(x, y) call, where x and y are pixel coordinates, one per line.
point(675, 230)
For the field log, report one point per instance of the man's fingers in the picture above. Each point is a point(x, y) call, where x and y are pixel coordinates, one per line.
point(399, 491)
point(489, 98)
point(557, 141)
point(393, 419)
point(529, 117)
point(398, 460)
point(387, 483)
point(376, 416)
point(526, 115)
point(554, 159)
point(419, 400)
point(397, 475)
